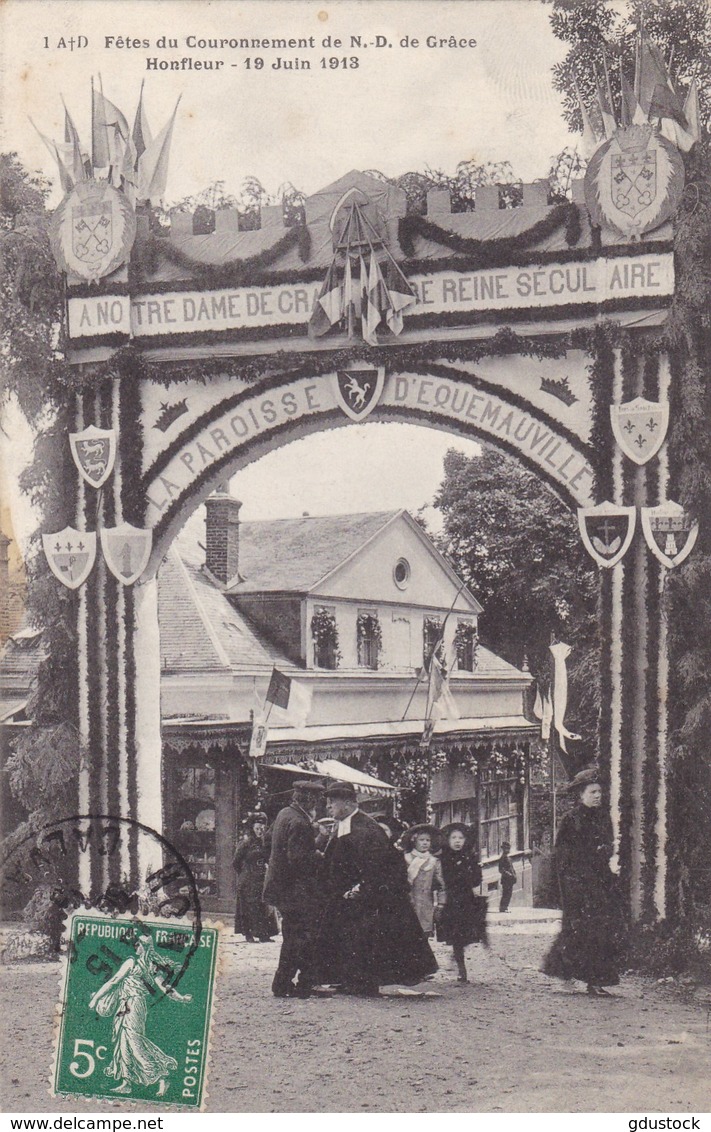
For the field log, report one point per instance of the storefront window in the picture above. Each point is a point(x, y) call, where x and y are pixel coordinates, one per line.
point(501, 800)
point(195, 824)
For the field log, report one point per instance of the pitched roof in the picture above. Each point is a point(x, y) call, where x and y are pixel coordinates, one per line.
point(200, 630)
point(292, 555)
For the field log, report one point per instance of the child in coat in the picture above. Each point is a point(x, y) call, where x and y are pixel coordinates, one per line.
point(463, 918)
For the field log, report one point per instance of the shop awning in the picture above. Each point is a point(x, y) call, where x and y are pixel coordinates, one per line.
point(339, 772)
point(466, 728)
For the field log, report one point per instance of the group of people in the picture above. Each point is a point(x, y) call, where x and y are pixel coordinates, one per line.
point(351, 909)
point(359, 899)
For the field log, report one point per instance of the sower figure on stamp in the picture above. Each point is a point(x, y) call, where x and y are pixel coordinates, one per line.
point(370, 935)
point(292, 886)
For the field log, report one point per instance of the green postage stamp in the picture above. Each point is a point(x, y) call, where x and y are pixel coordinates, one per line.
point(135, 1010)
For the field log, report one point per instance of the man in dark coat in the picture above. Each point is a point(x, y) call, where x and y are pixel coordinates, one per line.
point(292, 886)
point(370, 935)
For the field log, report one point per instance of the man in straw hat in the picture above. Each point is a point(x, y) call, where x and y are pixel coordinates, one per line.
point(292, 886)
point(370, 935)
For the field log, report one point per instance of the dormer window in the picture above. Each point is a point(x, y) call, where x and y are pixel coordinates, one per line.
point(466, 640)
point(369, 639)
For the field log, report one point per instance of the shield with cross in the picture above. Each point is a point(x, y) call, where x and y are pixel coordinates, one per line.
point(606, 531)
point(126, 550)
point(70, 555)
point(669, 531)
point(640, 427)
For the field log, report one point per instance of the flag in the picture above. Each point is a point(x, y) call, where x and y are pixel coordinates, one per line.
point(657, 96)
point(71, 139)
point(153, 164)
point(328, 308)
point(141, 136)
point(348, 298)
point(399, 293)
point(122, 153)
point(440, 701)
point(538, 703)
point(375, 301)
point(691, 111)
point(99, 134)
point(65, 177)
point(546, 718)
point(298, 709)
point(561, 653)
point(607, 114)
point(279, 689)
point(632, 112)
point(369, 314)
point(591, 141)
point(258, 739)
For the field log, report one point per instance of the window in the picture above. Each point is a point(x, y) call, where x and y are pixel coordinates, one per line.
point(195, 823)
point(369, 639)
point(501, 807)
point(325, 637)
point(465, 644)
point(431, 630)
point(401, 573)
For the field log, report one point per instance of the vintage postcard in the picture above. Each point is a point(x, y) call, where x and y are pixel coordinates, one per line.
point(354, 549)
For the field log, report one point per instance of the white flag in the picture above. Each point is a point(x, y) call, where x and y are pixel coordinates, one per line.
point(561, 653)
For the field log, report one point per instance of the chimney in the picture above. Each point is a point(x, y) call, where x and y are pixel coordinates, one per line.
point(222, 534)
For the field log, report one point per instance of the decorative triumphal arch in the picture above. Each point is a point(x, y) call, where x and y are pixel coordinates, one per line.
point(203, 347)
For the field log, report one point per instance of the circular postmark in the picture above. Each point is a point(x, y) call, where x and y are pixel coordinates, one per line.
point(44, 867)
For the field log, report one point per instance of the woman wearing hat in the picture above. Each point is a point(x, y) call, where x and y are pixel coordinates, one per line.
point(253, 918)
point(589, 942)
point(424, 872)
point(463, 918)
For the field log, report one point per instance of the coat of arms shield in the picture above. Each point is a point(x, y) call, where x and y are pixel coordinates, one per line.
point(70, 555)
point(606, 531)
point(634, 181)
point(640, 427)
point(92, 230)
point(670, 532)
point(357, 390)
point(94, 453)
point(126, 550)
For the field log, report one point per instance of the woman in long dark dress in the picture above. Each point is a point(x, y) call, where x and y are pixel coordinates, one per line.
point(253, 918)
point(588, 947)
point(462, 919)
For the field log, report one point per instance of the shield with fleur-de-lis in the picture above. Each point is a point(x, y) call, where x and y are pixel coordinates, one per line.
point(70, 555)
point(669, 531)
point(640, 427)
point(607, 531)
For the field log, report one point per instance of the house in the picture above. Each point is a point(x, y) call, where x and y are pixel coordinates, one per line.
point(350, 608)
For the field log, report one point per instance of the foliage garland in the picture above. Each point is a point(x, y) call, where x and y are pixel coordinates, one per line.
point(466, 636)
point(324, 632)
point(495, 252)
point(368, 628)
point(148, 252)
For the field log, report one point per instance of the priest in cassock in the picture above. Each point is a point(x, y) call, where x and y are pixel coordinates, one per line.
point(370, 935)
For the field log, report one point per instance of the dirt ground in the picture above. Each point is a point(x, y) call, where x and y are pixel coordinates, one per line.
point(510, 1041)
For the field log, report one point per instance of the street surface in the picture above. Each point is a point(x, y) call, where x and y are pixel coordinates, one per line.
point(510, 1041)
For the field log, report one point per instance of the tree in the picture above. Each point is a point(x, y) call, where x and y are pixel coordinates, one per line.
point(518, 547)
point(600, 32)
